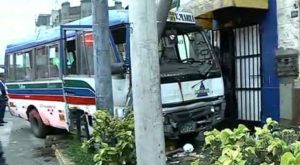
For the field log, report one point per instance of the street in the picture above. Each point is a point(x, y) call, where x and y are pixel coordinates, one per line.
point(20, 146)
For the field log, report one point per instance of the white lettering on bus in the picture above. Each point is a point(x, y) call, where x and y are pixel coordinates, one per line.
point(184, 17)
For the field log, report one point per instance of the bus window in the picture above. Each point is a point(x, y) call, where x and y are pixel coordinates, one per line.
point(119, 36)
point(183, 47)
point(23, 66)
point(29, 72)
point(41, 63)
point(122, 50)
point(71, 62)
point(53, 61)
point(86, 62)
point(11, 68)
point(192, 45)
point(197, 41)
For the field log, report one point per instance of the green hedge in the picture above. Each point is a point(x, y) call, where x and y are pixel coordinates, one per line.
point(269, 145)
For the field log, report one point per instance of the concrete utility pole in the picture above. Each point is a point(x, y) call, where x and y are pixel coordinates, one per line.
point(149, 137)
point(102, 60)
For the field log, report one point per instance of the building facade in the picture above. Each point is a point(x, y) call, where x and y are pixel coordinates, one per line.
point(246, 33)
point(68, 14)
point(288, 59)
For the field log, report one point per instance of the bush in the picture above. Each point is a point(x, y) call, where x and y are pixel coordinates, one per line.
point(269, 145)
point(113, 139)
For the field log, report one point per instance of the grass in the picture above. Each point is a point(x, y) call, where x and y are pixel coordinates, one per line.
point(78, 155)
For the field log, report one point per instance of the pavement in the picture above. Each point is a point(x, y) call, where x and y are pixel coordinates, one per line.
point(21, 147)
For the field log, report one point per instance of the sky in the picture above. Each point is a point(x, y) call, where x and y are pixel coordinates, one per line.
point(17, 17)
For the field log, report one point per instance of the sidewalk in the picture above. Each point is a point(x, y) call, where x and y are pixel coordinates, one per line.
point(20, 146)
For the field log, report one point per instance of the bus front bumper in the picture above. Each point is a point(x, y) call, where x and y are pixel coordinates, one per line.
point(194, 120)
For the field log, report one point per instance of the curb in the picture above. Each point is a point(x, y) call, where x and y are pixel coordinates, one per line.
point(62, 159)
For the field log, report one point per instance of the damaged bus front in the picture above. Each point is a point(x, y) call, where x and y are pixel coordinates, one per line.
point(55, 84)
point(191, 81)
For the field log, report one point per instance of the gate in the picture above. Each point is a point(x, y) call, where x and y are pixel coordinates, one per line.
point(247, 63)
point(248, 72)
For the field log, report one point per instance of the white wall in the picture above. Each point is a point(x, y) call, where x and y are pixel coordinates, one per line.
point(288, 37)
point(288, 27)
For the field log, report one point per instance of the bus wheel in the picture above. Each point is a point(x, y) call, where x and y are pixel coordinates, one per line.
point(38, 128)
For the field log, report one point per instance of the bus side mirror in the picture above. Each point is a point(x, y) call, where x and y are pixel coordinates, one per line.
point(117, 68)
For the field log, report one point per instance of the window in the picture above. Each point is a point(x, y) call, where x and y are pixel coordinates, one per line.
point(122, 50)
point(11, 67)
point(23, 66)
point(53, 61)
point(119, 36)
point(85, 59)
point(198, 47)
point(29, 72)
point(185, 51)
point(71, 58)
point(183, 47)
point(41, 63)
point(79, 58)
point(189, 46)
point(86, 54)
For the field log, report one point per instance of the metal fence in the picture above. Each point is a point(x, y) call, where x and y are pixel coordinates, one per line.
point(248, 77)
point(248, 72)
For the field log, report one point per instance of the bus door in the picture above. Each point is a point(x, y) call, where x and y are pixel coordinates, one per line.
point(77, 57)
point(69, 65)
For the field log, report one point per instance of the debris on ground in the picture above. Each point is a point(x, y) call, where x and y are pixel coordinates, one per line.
point(182, 156)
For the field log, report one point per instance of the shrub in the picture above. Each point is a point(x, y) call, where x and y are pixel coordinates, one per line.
point(269, 145)
point(113, 139)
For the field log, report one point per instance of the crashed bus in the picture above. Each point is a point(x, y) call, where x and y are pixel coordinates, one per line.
point(50, 76)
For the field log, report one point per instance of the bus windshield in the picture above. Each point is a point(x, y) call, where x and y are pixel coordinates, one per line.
point(187, 53)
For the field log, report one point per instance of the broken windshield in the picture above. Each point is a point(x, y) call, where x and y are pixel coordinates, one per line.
point(185, 54)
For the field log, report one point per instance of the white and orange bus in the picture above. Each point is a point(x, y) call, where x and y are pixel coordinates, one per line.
point(50, 75)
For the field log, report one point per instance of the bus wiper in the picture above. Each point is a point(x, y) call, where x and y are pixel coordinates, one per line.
point(191, 61)
point(205, 68)
point(188, 60)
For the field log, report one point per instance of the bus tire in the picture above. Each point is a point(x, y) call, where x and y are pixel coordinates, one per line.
point(38, 128)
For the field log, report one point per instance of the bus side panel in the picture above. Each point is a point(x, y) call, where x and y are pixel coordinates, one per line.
point(18, 108)
point(52, 113)
point(80, 94)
